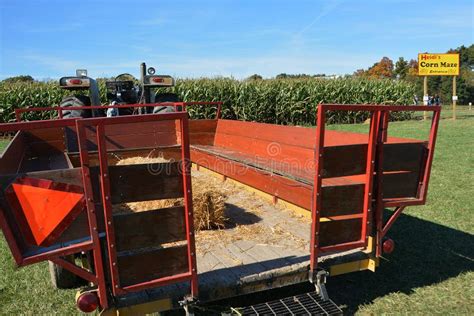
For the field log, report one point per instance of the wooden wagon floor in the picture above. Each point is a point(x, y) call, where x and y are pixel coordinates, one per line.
point(262, 246)
point(259, 243)
point(258, 237)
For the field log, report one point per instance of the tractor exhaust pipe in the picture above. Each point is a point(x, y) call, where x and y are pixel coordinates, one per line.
point(142, 72)
point(146, 90)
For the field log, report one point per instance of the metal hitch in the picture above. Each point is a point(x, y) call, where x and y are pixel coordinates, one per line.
point(188, 303)
point(318, 278)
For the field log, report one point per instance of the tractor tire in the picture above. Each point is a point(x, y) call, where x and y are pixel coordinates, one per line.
point(165, 97)
point(76, 100)
point(62, 278)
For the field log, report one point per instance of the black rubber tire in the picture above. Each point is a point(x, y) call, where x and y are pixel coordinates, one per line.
point(76, 100)
point(165, 97)
point(62, 278)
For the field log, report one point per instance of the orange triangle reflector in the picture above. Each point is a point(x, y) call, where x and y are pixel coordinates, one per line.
point(45, 207)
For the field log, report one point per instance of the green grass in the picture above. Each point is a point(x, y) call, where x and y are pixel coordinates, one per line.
point(431, 270)
point(3, 144)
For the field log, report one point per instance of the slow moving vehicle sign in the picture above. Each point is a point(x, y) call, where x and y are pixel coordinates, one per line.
point(438, 64)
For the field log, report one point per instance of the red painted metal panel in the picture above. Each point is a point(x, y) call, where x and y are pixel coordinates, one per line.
point(398, 211)
point(429, 160)
point(92, 216)
point(188, 205)
point(316, 199)
point(374, 108)
point(59, 252)
point(107, 205)
point(26, 126)
point(373, 137)
point(43, 208)
point(379, 208)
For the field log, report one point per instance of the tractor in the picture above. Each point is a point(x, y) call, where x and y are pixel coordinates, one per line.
point(124, 89)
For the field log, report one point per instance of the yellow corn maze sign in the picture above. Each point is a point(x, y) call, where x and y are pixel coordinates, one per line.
point(438, 64)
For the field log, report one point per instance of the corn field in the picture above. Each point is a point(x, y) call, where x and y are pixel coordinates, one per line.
point(280, 101)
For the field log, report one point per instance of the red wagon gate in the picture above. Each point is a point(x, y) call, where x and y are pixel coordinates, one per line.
point(135, 258)
point(127, 236)
point(364, 179)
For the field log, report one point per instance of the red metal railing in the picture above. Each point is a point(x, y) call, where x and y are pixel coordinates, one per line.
point(379, 118)
point(176, 105)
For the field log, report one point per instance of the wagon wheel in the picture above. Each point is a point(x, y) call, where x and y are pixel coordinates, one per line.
point(62, 278)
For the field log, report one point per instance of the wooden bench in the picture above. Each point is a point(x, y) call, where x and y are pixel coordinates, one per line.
point(276, 158)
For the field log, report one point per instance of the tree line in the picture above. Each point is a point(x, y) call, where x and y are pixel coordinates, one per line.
point(437, 85)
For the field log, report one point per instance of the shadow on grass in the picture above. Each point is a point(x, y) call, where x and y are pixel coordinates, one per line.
point(425, 253)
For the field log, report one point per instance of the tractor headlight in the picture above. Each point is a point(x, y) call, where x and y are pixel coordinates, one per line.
point(81, 73)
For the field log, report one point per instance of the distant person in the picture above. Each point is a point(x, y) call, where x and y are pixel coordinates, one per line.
point(437, 100)
point(415, 99)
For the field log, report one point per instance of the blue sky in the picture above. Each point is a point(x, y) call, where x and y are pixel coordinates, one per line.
point(48, 39)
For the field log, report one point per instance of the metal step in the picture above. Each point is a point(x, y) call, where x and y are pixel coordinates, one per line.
point(302, 304)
